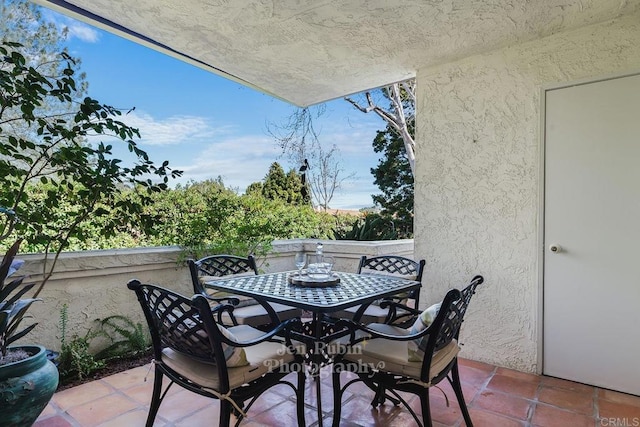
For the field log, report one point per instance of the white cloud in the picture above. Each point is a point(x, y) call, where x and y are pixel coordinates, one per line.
point(76, 29)
point(240, 161)
point(173, 130)
point(83, 32)
point(246, 159)
point(203, 151)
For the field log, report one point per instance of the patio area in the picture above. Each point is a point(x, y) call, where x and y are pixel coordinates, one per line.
point(496, 397)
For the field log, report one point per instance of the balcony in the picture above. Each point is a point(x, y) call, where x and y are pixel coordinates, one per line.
point(93, 286)
point(93, 283)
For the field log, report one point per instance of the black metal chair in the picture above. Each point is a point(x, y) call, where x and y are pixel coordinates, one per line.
point(388, 310)
point(379, 355)
point(247, 311)
point(233, 365)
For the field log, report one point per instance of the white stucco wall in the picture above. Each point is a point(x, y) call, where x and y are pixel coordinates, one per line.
point(478, 180)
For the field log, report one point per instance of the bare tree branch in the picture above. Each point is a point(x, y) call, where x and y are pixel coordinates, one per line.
point(397, 115)
point(299, 141)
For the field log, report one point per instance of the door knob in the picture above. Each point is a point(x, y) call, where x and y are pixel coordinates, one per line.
point(555, 248)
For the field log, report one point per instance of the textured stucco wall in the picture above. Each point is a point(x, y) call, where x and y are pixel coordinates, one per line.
point(93, 283)
point(478, 177)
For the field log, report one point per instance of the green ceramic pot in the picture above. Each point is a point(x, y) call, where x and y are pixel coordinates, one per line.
point(26, 387)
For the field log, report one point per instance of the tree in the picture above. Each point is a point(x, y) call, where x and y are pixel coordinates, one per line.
point(274, 186)
point(280, 186)
point(394, 178)
point(254, 188)
point(326, 179)
point(295, 195)
point(205, 218)
point(399, 115)
point(321, 167)
point(55, 150)
point(394, 173)
point(41, 45)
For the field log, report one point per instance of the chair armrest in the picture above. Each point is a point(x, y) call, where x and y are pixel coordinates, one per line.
point(278, 332)
point(273, 316)
point(202, 305)
point(399, 314)
point(231, 300)
point(221, 308)
point(354, 327)
point(395, 303)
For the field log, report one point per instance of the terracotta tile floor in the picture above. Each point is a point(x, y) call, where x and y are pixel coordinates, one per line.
point(496, 397)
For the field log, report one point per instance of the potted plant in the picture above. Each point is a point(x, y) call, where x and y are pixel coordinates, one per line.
point(27, 378)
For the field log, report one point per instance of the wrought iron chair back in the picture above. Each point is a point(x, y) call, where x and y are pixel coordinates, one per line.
point(188, 327)
point(447, 323)
point(246, 311)
point(395, 265)
point(219, 266)
point(173, 322)
point(386, 385)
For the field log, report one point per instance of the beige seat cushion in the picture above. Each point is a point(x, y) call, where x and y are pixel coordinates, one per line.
point(373, 314)
point(388, 274)
point(243, 300)
point(256, 315)
point(392, 356)
point(264, 357)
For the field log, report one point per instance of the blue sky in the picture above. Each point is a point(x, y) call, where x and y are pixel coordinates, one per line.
point(206, 125)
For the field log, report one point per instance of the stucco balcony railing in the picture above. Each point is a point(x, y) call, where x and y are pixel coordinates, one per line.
point(93, 283)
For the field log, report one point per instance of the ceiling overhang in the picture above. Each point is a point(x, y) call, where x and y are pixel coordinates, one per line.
point(311, 51)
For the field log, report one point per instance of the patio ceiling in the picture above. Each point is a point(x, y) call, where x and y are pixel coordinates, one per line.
point(310, 51)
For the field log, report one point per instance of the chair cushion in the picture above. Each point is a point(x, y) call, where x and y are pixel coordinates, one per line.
point(426, 318)
point(235, 356)
point(262, 358)
point(373, 314)
point(256, 315)
point(402, 295)
point(387, 273)
point(243, 300)
point(392, 356)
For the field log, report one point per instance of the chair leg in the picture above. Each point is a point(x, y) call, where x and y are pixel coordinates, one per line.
point(300, 396)
point(155, 397)
point(457, 388)
point(378, 398)
point(426, 408)
point(337, 397)
point(225, 413)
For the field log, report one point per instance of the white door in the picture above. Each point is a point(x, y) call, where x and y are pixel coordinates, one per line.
point(592, 215)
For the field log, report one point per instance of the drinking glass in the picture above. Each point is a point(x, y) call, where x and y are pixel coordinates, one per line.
point(301, 260)
point(328, 262)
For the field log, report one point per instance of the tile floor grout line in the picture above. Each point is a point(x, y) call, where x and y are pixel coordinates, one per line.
point(596, 404)
point(534, 403)
point(484, 387)
point(62, 414)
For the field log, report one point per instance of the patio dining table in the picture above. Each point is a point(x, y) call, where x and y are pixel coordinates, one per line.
point(352, 290)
